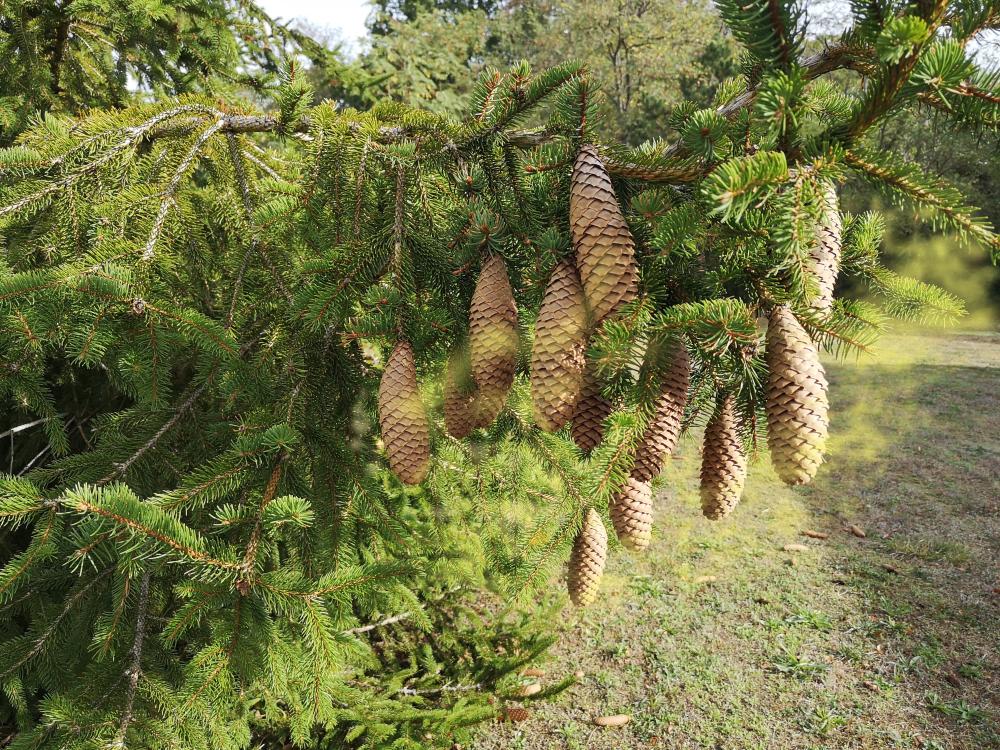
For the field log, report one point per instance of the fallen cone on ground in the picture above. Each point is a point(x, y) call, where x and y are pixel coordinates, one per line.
point(723, 464)
point(795, 548)
point(615, 720)
point(532, 689)
point(824, 258)
point(459, 397)
point(797, 406)
point(632, 514)
point(557, 358)
point(664, 428)
point(857, 531)
point(590, 412)
point(405, 431)
point(492, 339)
point(586, 562)
point(605, 250)
point(533, 672)
point(516, 714)
point(815, 534)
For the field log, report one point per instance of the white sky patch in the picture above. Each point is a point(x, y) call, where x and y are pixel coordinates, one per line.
point(344, 19)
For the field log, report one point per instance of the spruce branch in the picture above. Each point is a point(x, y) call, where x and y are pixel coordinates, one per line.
point(900, 178)
point(132, 136)
point(236, 157)
point(71, 602)
point(122, 468)
point(167, 197)
point(244, 582)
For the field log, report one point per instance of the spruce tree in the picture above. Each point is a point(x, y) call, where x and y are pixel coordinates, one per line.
point(220, 550)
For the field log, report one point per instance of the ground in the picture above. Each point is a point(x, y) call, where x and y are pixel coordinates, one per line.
point(718, 637)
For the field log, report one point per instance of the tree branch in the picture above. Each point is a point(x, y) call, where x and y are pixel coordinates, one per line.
point(135, 667)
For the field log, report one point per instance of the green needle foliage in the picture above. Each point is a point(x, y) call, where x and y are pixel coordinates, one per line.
point(203, 545)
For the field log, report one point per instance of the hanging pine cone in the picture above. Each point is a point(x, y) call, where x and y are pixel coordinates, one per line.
point(723, 465)
point(459, 397)
point(825, 254)
point(401, 416)
point(664, 428)
point(605, 250)
point(590, 412)
point(632, 514)
point(557, 359)
point(492, 339)
point(586, 563)
point(797, 407)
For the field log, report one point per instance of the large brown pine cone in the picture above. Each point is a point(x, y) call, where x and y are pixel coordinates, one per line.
point(723, 464)
point(590, 412)
point(632, 514)
point(825, 254)
point(664, 428)
point(797, 406)
point(459, 397)
point(405, 432)
point(605, 250)
point(492, 338)
point(557, 359)
point(586, 563)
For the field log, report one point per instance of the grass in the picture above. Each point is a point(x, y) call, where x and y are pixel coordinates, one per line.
point(717, 638)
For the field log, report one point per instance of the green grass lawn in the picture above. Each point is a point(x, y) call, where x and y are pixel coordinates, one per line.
point(716, 637)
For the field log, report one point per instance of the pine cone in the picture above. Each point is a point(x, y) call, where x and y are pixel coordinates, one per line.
point(825, 255)
point(590, 412)
point(632, 514)
point(401, 415)
point(664, 428)
point(797, 407)
point(586, 563)
point(723, 465)
point(459, 397)
point(557, 359)
point(486, 405)
point(605, 250)
point(492, 338)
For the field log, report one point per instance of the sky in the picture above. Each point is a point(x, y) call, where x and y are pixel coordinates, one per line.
point(344, 16)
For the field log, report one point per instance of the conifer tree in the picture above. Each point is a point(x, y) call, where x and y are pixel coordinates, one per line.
point(217, 552)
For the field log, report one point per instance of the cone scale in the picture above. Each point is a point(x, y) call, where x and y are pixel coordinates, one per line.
point(723, 464)
point(824, 258)
point(586, 562)
point(459, 397)
point(605, 250)
point(664, 429)
point(590, 412)
point(405, 431)
point(492, 339)
point(797, 406)
point(632, 514)
point(557, 358)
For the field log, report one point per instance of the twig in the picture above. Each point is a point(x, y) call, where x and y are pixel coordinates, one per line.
point(121, 468)
point(135, 667)
point(70, 603)
point(379, 624)
point(250, 557)
point(443, 689)
point(236, 156)
point(27, 425)
point(168, 195)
